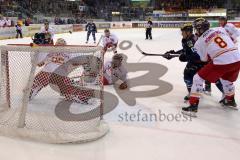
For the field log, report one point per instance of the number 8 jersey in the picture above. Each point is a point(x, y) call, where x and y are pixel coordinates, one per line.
point(216, 45)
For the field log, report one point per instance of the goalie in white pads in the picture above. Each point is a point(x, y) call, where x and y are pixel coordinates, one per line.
point(230, 28)
point(114, 71)
point(55, 72)
point(216, 47)
point(110, 41)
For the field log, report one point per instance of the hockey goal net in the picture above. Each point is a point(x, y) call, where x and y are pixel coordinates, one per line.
point(47, 98)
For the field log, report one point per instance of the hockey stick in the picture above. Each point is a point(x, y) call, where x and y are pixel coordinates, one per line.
point(99, 40)
point(151, 54)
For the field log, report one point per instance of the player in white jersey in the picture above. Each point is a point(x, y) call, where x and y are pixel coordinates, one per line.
point(110, 41)
point(55, 70)
point(48, 31)
point(230, 28)
point(215, 47)
point(115, 71)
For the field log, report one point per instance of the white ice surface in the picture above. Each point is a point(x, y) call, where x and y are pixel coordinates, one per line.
point(215, 134)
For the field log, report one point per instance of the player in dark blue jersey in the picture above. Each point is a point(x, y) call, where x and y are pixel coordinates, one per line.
point(91, 29)
point(189, 54)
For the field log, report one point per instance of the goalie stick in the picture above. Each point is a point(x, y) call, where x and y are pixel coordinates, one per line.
point(152, 54)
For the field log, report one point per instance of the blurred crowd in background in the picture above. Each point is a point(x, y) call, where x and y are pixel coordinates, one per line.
point(77, 12)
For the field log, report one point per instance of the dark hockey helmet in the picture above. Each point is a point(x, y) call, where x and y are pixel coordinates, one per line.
point(222, 21)
point(187, 27)
point(201, 25)
point(46, 22)
point(223, 18)
point(107, 31)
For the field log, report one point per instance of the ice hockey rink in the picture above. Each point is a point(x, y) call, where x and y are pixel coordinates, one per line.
point(215, 134)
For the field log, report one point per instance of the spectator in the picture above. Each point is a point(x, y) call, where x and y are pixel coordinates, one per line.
point(8, 22)
point(27, 22)
point(2, 22)
point(20, 22)
point(56, 20)
point(19, 30)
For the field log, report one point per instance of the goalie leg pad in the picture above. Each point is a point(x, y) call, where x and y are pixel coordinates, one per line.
point(40, 81)
point(69, 91)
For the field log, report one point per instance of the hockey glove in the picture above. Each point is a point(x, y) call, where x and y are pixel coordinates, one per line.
point(123, 86)
point(168, 55)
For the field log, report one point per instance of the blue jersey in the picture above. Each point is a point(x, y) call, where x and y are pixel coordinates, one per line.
point(91, 27)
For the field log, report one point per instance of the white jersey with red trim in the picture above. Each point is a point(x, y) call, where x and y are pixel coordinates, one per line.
point(110, 40)
point(49, 31)
point(232, 31)
point(53, 61)
point(114, 74)
point(217, 45)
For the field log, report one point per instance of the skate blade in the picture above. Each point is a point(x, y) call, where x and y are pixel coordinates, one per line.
point(231, 107)
point(190, 114)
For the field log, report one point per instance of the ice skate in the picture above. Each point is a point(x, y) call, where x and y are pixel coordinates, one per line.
point(190, 110)
point(229, 103)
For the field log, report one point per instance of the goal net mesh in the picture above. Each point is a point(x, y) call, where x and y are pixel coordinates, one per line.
point(47, 98)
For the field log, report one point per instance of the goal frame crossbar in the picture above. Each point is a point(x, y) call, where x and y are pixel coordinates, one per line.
point(47, 48)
